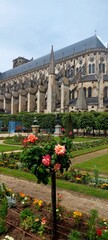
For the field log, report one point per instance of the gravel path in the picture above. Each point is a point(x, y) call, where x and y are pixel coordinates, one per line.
point(71, 200)
point(89, 156)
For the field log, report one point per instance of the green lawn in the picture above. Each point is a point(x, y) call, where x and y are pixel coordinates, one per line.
point(84, 139)
point(7, 148)
point(100, 163)
point(89, 150)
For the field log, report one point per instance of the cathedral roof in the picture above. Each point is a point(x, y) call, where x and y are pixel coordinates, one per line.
point(86, 44)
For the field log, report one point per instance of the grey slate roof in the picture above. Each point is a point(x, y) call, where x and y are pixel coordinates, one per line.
point(89, 43)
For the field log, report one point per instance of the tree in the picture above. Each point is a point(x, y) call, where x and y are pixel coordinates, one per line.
point(102, 122)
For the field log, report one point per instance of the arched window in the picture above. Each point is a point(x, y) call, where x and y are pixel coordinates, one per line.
point(93, 68)
point(84, 91)
point(102, 67)
point(89, 68)
point(89, 92)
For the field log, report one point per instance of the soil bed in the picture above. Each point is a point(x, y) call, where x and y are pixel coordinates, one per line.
point(64, 225)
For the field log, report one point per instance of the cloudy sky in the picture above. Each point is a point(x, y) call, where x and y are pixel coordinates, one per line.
point(28, 28)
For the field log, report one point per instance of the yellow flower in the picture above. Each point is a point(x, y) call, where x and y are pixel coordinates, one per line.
point(40, 203)
point(78, 178)
point(9, 190)
point(77, 214)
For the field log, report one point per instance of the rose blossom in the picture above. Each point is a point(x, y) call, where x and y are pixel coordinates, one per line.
point(57, 166)
point(70, 133)
point(59, 149)
point(99, 232)
point(32, 138)
point(46, 160)
point(44, 221)
point(25, 141)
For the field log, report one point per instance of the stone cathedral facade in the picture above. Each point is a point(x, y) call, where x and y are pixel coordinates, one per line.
point(74, 78)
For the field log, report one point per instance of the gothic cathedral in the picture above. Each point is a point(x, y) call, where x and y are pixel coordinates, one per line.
point(74, 78)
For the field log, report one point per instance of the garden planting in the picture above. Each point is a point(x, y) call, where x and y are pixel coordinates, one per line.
point(23, 217)
point(26, 218)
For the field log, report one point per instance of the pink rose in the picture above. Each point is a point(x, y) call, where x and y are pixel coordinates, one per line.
point(60, 150)
point(25, 141)
point(70, 133)
point(57, 166)
point(32, 138)
point(46, 160)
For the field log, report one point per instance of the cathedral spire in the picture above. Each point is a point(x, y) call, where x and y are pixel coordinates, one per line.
point(52, 65)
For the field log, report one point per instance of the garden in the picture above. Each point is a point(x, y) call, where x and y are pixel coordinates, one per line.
point(48, 159)
point(24, 217)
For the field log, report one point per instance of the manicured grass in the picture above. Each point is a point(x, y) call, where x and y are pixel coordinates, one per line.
point(18, 174)
point(85, 139)
point(85, 189)
point(7, 148)
point(89, 150)
point(100, 163)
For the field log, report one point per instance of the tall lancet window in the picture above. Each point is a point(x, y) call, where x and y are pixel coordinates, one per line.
point(93, 68)
point(89, 68)
point(89, 92)
point(84, 91)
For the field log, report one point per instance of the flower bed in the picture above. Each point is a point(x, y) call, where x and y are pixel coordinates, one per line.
point(29, 218)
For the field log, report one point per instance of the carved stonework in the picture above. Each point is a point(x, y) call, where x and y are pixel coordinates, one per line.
point(14, 94)
point(22, 92)
point(7, 95)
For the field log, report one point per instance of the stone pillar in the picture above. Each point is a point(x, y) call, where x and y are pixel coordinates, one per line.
point(64, 95)
point(100, 92)
point(31, 106)
point(86, 65)
point(35, 129)
point(22, 102)
point(57, 130)
point(1, 101)
point(7, 102)
point(97, 63)
point(51, 94)
point(4, 103)
point(14, 103)
point(41, 99)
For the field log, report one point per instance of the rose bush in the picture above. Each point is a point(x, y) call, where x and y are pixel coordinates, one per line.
point(42, 159)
